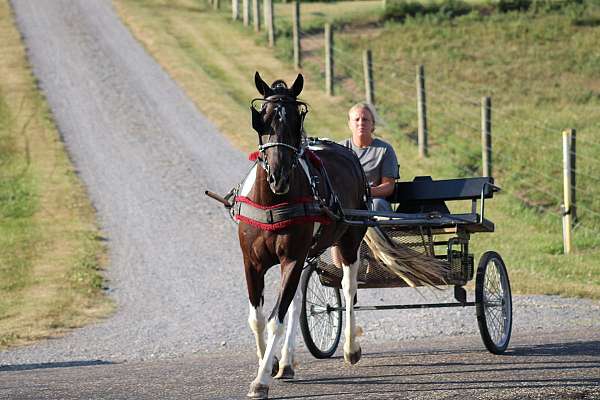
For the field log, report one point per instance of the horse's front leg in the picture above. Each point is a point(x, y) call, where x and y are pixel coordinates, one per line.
point(286, 364)
point(256, 319)
point(257, 322)
point(292, 270)
point(352, 350)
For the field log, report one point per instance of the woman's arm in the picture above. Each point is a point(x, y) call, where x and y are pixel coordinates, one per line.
point(384, 189)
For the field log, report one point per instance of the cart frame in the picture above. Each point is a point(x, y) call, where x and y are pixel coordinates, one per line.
point(421, 207)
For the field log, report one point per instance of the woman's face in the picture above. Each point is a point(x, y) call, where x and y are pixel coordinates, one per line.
point(361, 123)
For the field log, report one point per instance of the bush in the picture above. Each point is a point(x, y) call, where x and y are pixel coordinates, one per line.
point(513, 5)
point(539, 5)
point(552, 6)
point(454, 8)
point(400, 10)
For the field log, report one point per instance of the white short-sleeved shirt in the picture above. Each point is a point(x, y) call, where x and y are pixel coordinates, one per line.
point(378, 160)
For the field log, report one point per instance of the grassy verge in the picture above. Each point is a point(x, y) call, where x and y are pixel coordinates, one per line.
point(50, 252)
point(214, 60)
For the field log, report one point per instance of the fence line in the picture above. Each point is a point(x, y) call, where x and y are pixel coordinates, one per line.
point(475, 129)
point(471, 102)
point(460, 96)
point(501, 139)
point(436, 102)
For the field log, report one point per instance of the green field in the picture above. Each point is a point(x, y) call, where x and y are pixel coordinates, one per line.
point(539, 66)
point(50, 252)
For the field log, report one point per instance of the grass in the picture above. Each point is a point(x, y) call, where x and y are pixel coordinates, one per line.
point(538, 68)
point(314, 15)
point(50, 252)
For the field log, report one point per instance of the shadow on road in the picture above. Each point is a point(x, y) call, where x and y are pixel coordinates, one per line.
point(66, 364)
point(568, 370)
point(591, 348)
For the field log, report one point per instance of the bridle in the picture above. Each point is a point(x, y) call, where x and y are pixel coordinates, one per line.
point(280, 100)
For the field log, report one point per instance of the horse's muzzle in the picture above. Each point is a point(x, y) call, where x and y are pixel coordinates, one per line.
point(279, 184)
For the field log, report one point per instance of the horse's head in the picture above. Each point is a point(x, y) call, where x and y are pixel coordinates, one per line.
point(279, 126)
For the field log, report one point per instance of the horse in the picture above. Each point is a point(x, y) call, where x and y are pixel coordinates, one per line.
point(288, 212)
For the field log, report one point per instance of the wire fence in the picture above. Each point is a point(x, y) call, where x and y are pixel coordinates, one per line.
point(454, 120)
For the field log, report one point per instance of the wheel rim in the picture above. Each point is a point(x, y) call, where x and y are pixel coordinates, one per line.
point(323, 321)
point(497, 303)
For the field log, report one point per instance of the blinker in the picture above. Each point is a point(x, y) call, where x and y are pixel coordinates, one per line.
point(257, 123)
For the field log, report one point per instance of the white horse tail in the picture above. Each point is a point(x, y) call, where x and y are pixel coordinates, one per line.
point(415, 268)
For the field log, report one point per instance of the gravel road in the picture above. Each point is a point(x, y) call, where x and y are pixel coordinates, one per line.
point(146, 155)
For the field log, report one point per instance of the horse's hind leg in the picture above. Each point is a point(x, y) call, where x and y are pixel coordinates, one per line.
point(286, 364)
point(352, 350)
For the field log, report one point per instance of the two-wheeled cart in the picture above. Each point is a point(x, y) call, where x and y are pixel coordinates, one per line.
point(423, 222)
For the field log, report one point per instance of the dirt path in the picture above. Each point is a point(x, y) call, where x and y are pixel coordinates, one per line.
point(146, 155)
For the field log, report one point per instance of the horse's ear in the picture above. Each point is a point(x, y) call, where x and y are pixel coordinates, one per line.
point(257, 122)
point(262, 86)
point(298, 85)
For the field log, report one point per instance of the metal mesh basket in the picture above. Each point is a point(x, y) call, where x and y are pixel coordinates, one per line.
point(461, 267)
point(372, 274)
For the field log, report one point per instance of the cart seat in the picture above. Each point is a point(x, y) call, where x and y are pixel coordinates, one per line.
point(424, 192)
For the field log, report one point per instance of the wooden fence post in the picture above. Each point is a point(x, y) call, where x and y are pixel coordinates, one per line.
point(567, 206)
point(216, 4)
point(573, 153)
point(256, 15)
point(422, 112)
point(296, 36)
point(269, 21)
point(246, 12)
point(368, 72)
point(328, 59)
point(235, 9)
point(486, 136)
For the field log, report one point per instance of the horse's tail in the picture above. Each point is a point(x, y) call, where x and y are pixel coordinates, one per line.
point(415, 268)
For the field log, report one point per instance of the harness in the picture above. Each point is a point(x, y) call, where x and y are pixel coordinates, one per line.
point(296, 211)
point(313, 208)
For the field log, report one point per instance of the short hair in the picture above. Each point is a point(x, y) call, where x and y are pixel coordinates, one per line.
point(366, 106)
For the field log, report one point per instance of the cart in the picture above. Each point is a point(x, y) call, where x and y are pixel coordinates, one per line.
point(423, 222)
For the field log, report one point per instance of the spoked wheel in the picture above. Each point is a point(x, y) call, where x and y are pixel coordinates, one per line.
point(493, 302)
point(321, 325)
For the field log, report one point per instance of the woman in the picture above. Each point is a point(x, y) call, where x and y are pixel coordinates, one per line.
point(376, 156)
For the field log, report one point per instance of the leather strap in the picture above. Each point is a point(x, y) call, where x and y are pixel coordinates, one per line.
point(279, 214)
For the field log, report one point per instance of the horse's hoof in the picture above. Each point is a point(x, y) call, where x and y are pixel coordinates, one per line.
point(286, 372)
point(275, 368)
point(258, 391)
point(353, 358)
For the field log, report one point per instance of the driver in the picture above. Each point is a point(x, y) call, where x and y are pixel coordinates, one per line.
point(377, 157)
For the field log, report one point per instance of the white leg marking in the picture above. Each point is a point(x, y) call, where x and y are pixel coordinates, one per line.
point(275, 330)
point(256, 320)
point(349, 286)
point(289, 344)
